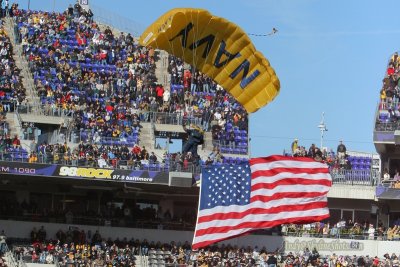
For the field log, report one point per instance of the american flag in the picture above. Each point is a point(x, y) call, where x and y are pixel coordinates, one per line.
point(266, 192)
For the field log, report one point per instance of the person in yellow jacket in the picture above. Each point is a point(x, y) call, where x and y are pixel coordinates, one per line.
point(32, 158)
point(383, 98)
point(3, 32)
point(295, 145)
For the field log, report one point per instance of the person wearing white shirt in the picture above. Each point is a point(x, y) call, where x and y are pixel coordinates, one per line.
point(217, 115)
point(166, 96)
point(386, 175)
point(371, 232)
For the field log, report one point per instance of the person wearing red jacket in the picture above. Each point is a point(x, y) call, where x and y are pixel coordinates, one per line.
point(160, 93)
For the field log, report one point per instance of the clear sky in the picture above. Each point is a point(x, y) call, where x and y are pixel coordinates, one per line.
point(330, 56)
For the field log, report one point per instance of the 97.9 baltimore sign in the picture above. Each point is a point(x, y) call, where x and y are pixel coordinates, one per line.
point(53, 170)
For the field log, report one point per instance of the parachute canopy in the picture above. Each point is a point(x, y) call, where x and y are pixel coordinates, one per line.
point(219, 49)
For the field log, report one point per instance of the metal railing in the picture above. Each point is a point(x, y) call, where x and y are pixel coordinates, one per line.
point(73, 160)
point(355, 177)
point(47, 110)
point(387, 126)
point(167, 118)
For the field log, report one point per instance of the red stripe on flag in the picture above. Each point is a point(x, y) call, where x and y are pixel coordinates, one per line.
point(290, 181)
point(276, 171)
point(279, 158)
point(282, 208)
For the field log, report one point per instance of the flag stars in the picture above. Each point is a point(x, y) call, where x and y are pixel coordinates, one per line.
point(227, 185)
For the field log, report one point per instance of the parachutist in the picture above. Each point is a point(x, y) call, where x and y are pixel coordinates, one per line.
point(195, 138)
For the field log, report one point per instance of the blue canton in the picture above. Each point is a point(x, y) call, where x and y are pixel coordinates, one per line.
point(225, 185)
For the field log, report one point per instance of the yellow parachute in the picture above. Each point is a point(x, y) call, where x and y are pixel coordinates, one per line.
point(219, 49)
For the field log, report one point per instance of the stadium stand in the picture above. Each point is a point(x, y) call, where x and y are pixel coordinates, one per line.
point(99, 79)
point(388, 109)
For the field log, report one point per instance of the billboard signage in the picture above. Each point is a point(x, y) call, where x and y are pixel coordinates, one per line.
point(81, 172)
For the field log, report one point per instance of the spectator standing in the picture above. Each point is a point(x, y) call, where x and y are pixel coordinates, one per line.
point(371, 232)
point(386, 175)
point(295, 145)
point(341, 150)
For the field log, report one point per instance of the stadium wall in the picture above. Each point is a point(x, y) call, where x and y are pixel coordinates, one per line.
point(326, 246)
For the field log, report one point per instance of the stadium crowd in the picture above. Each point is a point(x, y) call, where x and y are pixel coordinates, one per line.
point(389, 108)
point(75, 246)
point(339, 160)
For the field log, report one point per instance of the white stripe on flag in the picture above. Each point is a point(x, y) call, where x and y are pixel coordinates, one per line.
point(263, 218)
point(290, 188)
point(261, 204)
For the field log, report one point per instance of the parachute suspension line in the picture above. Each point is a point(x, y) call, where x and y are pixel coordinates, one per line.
point(193, 67)
point(199, 34)
point(274, 31)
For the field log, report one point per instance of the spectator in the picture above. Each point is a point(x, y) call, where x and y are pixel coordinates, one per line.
point(341, 150)
point(153, 158)
point(371, 232)
point(386, 175)
point(295, 146)
point(397, 176)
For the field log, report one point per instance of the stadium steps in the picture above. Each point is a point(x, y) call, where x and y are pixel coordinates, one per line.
point(146, 135)
point(161, 71)
point(22, 64)
point(13, 126)
point(208, 144)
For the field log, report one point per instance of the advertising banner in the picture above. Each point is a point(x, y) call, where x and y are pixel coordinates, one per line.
point(75, 172)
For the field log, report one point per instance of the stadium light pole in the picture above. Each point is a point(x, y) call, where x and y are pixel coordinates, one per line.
point(322, 128)
point(29, 4)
